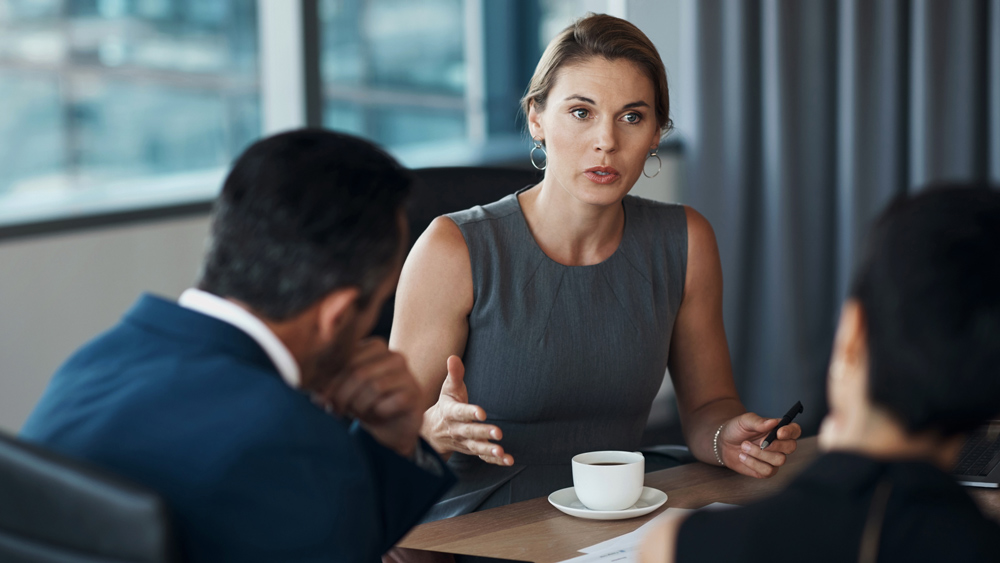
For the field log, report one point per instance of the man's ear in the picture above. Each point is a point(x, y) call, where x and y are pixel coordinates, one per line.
point(336, 310)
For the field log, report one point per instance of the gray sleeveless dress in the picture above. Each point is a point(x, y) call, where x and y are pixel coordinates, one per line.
point(564, 359)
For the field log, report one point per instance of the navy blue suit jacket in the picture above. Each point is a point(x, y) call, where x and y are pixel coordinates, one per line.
point(192, 407)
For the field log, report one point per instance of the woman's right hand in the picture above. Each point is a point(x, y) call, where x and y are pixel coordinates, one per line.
point(453, 425)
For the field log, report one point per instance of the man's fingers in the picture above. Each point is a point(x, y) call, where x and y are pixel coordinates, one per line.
point(361, 389)
point(369, 349)
point(402, 401)
point(364, 386)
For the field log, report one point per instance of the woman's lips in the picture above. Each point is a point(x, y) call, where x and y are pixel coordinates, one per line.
point(602, 174)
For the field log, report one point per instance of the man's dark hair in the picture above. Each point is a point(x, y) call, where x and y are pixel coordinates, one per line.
point(929, 284)
point(302, 214)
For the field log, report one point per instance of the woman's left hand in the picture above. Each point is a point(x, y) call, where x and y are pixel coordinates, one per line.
point(740, 439)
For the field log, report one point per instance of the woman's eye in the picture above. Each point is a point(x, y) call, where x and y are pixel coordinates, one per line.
point(580, 113)
point(632, 118)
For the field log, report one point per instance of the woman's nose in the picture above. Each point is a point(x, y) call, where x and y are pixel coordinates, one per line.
point(605, 138)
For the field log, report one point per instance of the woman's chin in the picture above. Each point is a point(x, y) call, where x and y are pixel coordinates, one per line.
point(602, 196)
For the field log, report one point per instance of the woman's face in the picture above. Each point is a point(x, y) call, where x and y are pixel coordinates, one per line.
point(599, 125)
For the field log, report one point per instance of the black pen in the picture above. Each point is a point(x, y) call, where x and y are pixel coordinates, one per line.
point(785, 420)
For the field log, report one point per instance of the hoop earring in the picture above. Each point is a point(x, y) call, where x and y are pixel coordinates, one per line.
point(531, 155)
point(659, 164)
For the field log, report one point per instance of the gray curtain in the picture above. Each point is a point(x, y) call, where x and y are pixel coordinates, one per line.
point(807, 117)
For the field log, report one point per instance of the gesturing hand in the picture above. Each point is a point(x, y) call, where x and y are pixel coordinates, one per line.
point(453, 425)
point(739, 444)
point(378, 389)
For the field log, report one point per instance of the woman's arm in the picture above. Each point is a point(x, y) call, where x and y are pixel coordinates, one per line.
point(433, 301)
point(430, 327)
point(703, 375)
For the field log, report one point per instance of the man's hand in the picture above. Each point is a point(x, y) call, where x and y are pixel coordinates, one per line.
point(378, 389)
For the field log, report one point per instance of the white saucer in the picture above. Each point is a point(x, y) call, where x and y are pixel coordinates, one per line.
point(566, 501)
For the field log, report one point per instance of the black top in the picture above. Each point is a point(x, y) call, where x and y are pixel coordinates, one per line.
point(822, 513)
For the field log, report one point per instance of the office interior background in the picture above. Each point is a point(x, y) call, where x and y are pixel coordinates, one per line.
point(795, 123)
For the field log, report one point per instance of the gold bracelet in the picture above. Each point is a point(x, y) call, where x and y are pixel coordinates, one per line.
point(715, 445)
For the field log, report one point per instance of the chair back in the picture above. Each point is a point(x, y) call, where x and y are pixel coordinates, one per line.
point(437, 191)
point(53, 508)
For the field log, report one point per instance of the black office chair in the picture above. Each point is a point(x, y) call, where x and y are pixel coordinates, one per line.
point(437, 191)
point(56, 509)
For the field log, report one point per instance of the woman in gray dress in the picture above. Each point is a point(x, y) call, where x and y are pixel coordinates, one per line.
point(554, 312)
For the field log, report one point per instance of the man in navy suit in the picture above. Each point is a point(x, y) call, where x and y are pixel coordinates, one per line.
point(254, 405)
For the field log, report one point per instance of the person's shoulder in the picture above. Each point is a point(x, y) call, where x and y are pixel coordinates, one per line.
point(699, 230)
point(500, 209)
point(652, 204)
point(676, 215)
point(944, 517)
point(814, 522)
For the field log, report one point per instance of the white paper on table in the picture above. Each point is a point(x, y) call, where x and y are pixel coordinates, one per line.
point(625, 548)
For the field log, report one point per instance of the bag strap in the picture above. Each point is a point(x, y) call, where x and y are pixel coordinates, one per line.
point(872, 532)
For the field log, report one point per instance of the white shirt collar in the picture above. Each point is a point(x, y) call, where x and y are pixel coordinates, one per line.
point(229, 312)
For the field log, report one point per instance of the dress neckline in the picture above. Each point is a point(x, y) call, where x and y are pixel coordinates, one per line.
point(626, 235)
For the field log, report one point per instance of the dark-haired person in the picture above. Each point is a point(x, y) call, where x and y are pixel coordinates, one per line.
point(540, 326)
point(253, 405)
point(914, 368)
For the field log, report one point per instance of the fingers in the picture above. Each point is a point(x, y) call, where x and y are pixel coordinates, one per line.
point(474, 439)
point(505, 460)
point(462, 412)
point(455, 368)
point(454, 382)
point(781, 446)
point(758, 463)
point(791, 432)
point(752, 423)
point(748, 426)
point(474, 431)
point(376, 386)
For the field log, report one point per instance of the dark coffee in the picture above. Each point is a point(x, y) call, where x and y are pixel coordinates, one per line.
point(608, 463)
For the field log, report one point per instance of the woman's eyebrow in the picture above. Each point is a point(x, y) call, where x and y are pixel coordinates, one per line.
point(638, 104)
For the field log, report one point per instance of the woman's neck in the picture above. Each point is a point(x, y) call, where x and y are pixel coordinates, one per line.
point(569, 231)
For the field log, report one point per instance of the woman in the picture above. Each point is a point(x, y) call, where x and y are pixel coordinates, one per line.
point(914, 368)
point(568, 300)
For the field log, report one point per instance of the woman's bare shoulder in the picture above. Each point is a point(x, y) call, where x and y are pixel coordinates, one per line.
point(439, 264)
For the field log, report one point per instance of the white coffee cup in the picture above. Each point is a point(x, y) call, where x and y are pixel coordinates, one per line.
point(608, 480)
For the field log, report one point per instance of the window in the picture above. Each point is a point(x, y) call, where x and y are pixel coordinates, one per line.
point(437, 82)
point(116, 103)
point(111, 106)
point(395, 70)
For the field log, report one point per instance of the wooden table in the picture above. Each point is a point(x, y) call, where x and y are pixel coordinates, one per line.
point(534, 530)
